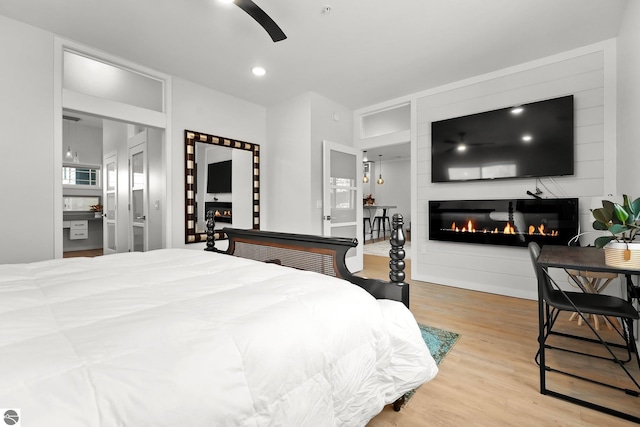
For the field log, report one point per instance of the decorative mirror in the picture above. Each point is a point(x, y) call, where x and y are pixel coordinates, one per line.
point(221, 175)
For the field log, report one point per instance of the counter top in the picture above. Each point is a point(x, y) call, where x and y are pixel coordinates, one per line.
point(78, 215)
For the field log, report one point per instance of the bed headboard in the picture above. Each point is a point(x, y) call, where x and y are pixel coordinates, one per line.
point(325, 255)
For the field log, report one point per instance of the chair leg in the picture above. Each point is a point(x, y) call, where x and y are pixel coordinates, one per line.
point(631, 339)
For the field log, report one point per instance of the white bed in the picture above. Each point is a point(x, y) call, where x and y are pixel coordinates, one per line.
point(179, 337)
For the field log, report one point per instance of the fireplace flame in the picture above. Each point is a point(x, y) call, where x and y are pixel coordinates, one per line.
point(469, 227)
point(509, 229)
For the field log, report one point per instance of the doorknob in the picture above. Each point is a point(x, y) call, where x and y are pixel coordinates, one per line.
point(143, 217)
point(327, 217)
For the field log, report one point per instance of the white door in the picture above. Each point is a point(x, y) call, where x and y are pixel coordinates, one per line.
point(110, 206)
point(138, 203)
point(342, 197)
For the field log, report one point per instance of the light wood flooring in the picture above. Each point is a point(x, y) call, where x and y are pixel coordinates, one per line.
point(489, 378)
point(86, 253)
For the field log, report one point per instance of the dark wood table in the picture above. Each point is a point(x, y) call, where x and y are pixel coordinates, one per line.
point(579, 258)
point(587, 258)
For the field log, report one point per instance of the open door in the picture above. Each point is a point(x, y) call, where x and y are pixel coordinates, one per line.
point(138, 197)
point(110, 208)
point(342, 197)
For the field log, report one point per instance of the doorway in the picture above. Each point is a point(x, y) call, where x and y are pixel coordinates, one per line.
point(124, 156)
point(138, 101)
point(391, 165)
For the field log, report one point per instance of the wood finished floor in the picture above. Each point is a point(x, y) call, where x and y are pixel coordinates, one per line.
point(85, 253)
point(489, 378)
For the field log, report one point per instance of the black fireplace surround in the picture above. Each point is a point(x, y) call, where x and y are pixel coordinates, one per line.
point(222, 211)
point(510, 222)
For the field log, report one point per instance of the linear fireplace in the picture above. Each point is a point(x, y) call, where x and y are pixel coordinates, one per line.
point(222, 211)
point(512, 222)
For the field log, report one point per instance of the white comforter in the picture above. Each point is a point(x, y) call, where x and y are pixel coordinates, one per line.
point(179, 337)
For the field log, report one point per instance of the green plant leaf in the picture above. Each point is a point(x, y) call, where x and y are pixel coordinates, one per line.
point(635, 207)
point(602, 215)
point(600, 242)
point(618, 228)
point(620, 213)
point(608, 206)
point(599, 225)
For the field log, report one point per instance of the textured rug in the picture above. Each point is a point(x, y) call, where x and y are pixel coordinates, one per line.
point(383, 247)
point(439, 342)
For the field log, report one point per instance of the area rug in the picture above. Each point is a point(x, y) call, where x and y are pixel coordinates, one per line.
point(383, 247)
point(439, 342)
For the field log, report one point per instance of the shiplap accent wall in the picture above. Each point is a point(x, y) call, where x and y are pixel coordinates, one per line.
point(498, 269)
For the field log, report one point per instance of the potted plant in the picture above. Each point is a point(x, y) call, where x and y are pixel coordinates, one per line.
point(97, 210)
point(623, 222)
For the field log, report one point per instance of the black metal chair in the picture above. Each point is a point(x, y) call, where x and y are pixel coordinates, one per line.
point(552, 300)
point(366, 222)
point(382, 223)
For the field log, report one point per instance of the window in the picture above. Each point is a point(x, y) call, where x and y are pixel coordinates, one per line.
point(88, 176)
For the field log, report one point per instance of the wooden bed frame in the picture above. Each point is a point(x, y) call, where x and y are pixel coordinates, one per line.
point(324, 255)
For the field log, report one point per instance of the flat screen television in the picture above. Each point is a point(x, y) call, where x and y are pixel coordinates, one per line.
point(219, 177)
point(528, 140)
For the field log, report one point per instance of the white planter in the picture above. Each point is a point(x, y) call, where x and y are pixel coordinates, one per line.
point(616, 255)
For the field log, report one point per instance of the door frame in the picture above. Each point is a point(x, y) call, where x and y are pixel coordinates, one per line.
point(66, 99)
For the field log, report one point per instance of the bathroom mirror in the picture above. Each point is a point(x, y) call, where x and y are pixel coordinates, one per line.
point(221, 175)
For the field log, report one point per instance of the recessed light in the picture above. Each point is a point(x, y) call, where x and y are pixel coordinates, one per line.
point(258, 71)
point(527, 138)
point(517, 110)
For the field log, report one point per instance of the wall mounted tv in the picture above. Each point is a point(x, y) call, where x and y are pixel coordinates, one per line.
point(219, 177)
point(527, 140)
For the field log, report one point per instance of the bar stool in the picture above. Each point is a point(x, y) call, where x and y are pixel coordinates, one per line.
point(381, 221)
point(366, 220)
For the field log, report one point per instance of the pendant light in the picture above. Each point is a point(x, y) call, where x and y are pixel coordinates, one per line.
point(69, 154)
point(365, 178)
point(380, 180)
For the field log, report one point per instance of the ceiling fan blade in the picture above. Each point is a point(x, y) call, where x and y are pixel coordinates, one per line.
point(262, 18)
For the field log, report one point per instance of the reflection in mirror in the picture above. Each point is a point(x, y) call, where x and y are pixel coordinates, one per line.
point(221, 175)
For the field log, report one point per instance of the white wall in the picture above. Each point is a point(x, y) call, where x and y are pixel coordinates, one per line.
point(295, 129)
point(629, 102)
point(585, 73)
point(87, 142)
point(289, 158)
point(26, 141)
point(84, 140)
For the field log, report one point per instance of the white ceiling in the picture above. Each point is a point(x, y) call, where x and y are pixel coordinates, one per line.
point(362, 53)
